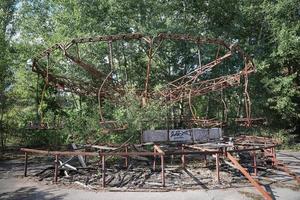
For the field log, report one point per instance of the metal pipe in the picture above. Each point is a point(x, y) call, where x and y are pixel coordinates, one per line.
point(265, 194)
point(26, 163)
point(183, 157)
point(154, 160)
point(103, 171)
point(218, 168)
point(56, 169)
point(126, 157)
point(254, 163)
point(163, 171)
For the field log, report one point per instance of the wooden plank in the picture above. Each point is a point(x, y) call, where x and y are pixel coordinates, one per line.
point(265, 194)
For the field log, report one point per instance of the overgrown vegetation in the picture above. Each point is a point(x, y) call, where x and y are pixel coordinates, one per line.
point(269, 31)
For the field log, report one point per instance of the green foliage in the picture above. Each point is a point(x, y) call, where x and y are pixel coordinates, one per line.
point(267, 30)
point(137, 117)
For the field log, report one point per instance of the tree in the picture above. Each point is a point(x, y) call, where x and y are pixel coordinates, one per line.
point(7, 8)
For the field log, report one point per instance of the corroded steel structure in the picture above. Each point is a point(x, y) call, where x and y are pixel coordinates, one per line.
point(105, 83)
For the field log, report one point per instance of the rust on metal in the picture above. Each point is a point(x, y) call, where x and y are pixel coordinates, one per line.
point(190, 84)
point(265, 194)
point(56, 169)
point(26, 164)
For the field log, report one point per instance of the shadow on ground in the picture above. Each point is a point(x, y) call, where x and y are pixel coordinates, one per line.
point(29, 193)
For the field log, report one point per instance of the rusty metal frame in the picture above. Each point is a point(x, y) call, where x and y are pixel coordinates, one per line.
point(250, 144)
point(184, 88)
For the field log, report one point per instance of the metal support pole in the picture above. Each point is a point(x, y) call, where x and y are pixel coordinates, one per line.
point(254, 163)
point(273, 157)
point(162, 170)
point(85, 157)
point(26, 163)
point(218, 168)
point(182, 157)
point(205, 160)
point(56, 168)
point(265, 194)
point(126, 157)
point(154, 161)
point(103, 171)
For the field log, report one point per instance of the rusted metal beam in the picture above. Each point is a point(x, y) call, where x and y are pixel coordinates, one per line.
point(182, 157)
point(126, 157)
point(103, 171)
point(26, 163)
point(158, 149)
point(62, 153)
point(254, 163)
point(265, 194)
point(205, 160)
point(144, 153)
point(56, 168)
point(86, 66)
point(218, 168)
point(129, 36)
point(163, 178)
point(154, 159)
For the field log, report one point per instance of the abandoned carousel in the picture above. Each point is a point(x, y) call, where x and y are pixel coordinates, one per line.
point(186, 151)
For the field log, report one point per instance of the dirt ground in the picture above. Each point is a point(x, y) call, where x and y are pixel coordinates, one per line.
point(14, 186)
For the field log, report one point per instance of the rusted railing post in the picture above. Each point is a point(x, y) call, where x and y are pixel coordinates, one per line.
point(126, 157)
point(85, 157)
point(273, 156)
point(205, 160)
point(218, 168)
point(265, 194)
point(26, 163)
point(154, 160)
point(182, 157)
point(103, 171)
point(254, 163)
point(162, 171)
point(55, 168)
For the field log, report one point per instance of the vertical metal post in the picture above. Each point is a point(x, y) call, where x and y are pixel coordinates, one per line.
point(254, 163)
point(217, 168)
point(273, 156)
point(26, 162)
point(182, 157)
point(249, 177)
point(85, 157)
point(154, 161)
point(56, 168)
point(103, 171)
point(162, 170)
point(205, 160)
point(126, 157)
